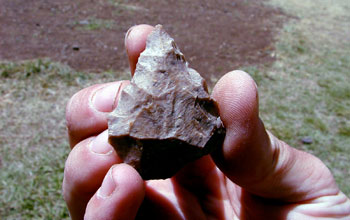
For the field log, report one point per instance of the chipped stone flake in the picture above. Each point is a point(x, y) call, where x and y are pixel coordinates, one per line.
point(165, 118)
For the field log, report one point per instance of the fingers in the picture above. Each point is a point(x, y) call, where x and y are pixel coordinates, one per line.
point(86, 112)
point(256, 160)
point(86, 115)
point(85, 168)
point(200, 177)
point(135, 43)
point(119, 197)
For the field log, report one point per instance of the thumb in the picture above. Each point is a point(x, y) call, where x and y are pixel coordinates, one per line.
point(255, 159)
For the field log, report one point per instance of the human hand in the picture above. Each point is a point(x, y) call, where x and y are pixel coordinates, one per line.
point(252, 176)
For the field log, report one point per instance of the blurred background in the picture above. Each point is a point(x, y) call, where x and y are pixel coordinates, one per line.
point(298, 52)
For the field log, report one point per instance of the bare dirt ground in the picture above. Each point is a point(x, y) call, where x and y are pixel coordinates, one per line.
point(88, 35)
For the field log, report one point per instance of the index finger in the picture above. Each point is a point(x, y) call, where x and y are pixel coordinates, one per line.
point(135, 43)
point(86, 111)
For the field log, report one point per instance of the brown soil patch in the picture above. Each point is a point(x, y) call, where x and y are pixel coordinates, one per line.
point(216, 37)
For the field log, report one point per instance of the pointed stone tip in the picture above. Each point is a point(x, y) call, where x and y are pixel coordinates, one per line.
point(158, 26)
point(165, 117)
point(160, 40)
point(158, 29)
point(160, 43)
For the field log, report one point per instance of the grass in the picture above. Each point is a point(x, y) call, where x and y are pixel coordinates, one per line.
point(305, 93)
point(93, 23)
point(122, 5)
point(33, 140)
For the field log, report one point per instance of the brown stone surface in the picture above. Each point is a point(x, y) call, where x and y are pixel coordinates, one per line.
point(165, 118)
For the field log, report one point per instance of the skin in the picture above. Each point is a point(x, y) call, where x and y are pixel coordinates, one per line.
point(252, 176)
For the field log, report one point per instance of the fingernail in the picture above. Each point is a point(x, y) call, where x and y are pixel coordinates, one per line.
point(100, 144)
point(104, 98)
point(108, 185)
point(128, 33)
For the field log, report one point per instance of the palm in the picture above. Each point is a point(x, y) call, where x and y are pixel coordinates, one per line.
point(211, 195)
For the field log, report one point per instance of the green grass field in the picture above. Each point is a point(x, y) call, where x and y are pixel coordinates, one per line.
point(305, 93)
